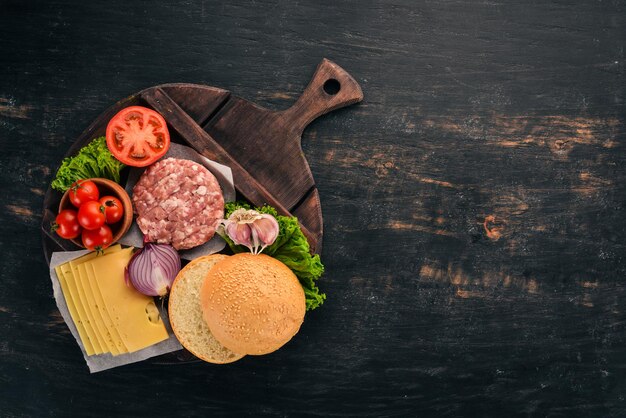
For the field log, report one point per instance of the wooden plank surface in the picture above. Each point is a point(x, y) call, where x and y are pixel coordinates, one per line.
point(474, 203)
point(246, 184)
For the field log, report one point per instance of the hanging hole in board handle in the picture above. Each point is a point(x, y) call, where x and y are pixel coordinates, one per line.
point(332, 87)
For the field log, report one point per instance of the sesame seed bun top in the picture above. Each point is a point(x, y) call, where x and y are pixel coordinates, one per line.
point(253, 304)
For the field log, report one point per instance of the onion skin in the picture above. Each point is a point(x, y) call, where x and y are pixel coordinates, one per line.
point(153, 268)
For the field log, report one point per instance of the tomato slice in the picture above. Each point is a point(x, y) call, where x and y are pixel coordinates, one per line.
point(137, 136)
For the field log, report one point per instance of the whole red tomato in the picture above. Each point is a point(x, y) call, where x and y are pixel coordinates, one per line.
point(97, 239)
point(113, 209)
point(83, 191)
point(66, 224)
point(91, 215)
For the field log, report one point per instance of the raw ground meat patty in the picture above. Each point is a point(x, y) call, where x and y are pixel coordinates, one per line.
point(178, 202)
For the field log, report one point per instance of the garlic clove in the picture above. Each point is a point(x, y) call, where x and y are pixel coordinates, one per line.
point(254, 242)
point(265, 229)
point(238, 232)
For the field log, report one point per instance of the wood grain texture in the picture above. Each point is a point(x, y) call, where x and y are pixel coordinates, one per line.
point(250, 163)
point(474, 211)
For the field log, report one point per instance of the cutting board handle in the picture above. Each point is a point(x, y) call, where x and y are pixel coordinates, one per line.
point(330, 88)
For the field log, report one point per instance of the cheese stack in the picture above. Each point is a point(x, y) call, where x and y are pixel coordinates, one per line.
point(110, 316)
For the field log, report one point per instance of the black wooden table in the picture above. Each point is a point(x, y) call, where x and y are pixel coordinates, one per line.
point(474, 203)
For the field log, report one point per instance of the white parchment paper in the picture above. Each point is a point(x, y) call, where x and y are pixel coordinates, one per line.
point(224, 176)
point(97, 363)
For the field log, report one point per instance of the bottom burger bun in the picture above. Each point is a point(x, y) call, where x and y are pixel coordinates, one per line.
point(185, 313)
point(253, 304)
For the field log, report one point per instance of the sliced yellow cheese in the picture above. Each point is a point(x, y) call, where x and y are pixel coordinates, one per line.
point(89, 303)
point(76, 318)
point(100, 305)
point(79, 300)
point(133, 314)
point(80, 273)
point(70, 290)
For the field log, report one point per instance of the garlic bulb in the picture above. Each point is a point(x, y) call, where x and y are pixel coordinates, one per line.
point(252, 229)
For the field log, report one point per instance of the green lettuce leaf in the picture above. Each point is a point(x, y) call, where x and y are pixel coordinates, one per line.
point(290, 247)
point(93, 160)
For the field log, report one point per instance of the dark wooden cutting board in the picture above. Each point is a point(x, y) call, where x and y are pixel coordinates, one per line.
point(261, 146)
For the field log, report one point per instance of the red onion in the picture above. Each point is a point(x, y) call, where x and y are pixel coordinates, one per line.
point(153, 268)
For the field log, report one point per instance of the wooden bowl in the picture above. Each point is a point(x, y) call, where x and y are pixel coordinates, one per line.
point(106, 188)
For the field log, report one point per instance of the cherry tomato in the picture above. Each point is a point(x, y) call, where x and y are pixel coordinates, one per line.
point(113, 209)
point(83, 191)
point(137, 136)
point(97, 239)
point(66, 224)
point(91, 215)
